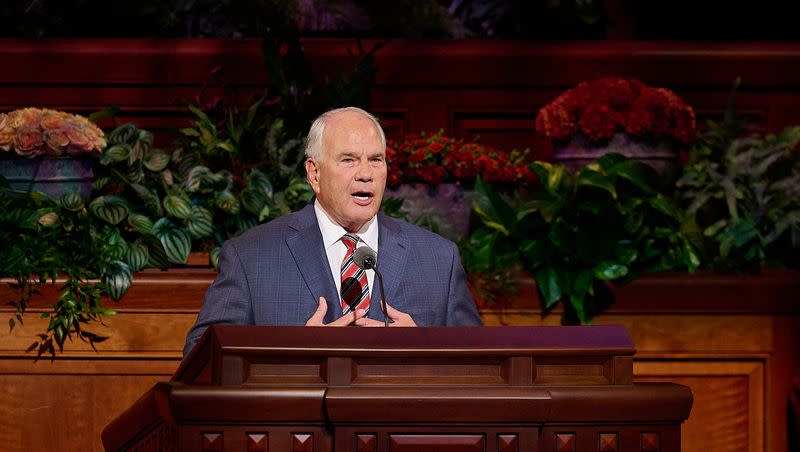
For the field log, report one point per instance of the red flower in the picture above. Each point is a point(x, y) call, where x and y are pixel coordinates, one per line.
point(418, 156)
point(434, 159)
point(598, 122)
point(603, 107)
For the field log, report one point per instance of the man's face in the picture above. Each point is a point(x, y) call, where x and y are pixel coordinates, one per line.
point(350, 176)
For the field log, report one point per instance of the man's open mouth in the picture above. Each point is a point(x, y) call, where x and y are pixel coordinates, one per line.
point(362, 196)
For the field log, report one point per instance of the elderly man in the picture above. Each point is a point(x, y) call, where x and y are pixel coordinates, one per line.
point(299, 269)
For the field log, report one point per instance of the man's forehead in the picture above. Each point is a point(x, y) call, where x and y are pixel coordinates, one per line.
point(350, 123)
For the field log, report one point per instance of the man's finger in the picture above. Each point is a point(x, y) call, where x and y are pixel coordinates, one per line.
point(399, 318)
point(319, 314)
point(348, 318)
point(364, 321)
point(393, 313)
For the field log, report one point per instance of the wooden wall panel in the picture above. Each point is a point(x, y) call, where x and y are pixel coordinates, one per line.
point(494, 88)
point(65, 406)
point(728, 409)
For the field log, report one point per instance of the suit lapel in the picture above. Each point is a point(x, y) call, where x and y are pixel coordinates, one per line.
point(392, 255)
point(306, 247)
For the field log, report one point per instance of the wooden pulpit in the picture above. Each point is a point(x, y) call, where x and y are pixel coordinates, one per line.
point(547, 389)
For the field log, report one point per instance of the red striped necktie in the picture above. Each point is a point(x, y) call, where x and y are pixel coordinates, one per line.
point(355, 291)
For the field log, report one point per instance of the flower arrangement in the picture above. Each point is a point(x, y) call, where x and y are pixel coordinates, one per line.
point(435, 159)
point(604, 107)
point(32, 132)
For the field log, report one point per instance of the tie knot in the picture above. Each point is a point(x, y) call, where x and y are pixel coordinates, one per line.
point(350, 241)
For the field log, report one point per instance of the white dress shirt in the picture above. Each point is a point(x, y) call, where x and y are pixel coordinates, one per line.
point(335, 249)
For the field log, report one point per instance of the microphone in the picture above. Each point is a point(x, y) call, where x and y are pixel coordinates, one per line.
point(366, 258)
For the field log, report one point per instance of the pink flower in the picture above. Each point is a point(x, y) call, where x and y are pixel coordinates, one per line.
point(28, 142)
point(33, 131)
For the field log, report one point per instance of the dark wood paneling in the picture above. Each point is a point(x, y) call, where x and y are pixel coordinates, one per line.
point(490, 88)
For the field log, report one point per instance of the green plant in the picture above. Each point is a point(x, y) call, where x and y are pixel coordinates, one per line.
point(64, 242)
point(579, 231)
point(225, 180)
point(744, 191)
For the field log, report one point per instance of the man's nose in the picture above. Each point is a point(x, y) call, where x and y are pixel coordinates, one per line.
point(364, 171)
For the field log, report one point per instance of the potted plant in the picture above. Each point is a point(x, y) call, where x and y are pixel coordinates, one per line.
point(431, 172)
point(580, 231)
point(744, 191)
point(618, 115)
point(48, 151)
point(150, 208)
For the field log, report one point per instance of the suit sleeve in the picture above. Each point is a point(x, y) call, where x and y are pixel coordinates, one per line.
point(461, 309)
point(227, 300)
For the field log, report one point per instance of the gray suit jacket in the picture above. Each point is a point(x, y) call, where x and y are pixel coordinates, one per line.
point(275, 273)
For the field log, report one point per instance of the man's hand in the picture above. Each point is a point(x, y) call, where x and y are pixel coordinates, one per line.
point(398, 318)
point(345, 320)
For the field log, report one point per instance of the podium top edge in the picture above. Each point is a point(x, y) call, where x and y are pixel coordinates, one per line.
point(593, 340)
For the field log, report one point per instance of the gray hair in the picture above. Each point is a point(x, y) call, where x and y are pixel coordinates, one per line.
point(314, 140)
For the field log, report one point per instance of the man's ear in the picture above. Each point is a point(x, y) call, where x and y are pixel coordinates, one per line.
point(312, 174)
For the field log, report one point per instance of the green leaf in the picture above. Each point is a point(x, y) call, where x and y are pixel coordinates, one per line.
point(156, 160)
point(176, 242)
point(138, 256)
point(100, 183)
point(114, 245)
point(118, 279)
point(690, 257)
point(609, 160)
point(581, 308)
point(555, 178)
point(111, 209)
point(589, 178)
point(663, 205)
point(252, 201)
point(549, 288)
point(626, 254)
point(71, 201)
point(199, 178)
point(158, 257)
point(264, 214)
point(493, 210)
point(640, 174)
point(214, 256)
point(115, 153)
point(200, 223)
point(125, 133)
point(582, 284)
point(714, 229)
point(177, 206)
point(49, 219)
point(227, 202)
point(609, 270)
point(244, 223)
point(140, 223)
point(742, 232)
point(534, 251)
point(259, 182)
point(199, 113)
point(226, 146)
point(189, 132)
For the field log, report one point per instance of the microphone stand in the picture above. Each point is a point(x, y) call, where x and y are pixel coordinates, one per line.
point(383, 298)
point(369, 262)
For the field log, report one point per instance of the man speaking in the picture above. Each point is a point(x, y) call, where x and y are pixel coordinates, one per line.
point(299, 269)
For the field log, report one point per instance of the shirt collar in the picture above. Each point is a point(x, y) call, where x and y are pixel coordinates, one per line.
point(332, 232)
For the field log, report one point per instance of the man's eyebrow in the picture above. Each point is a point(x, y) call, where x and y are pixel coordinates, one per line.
point(348, 154)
